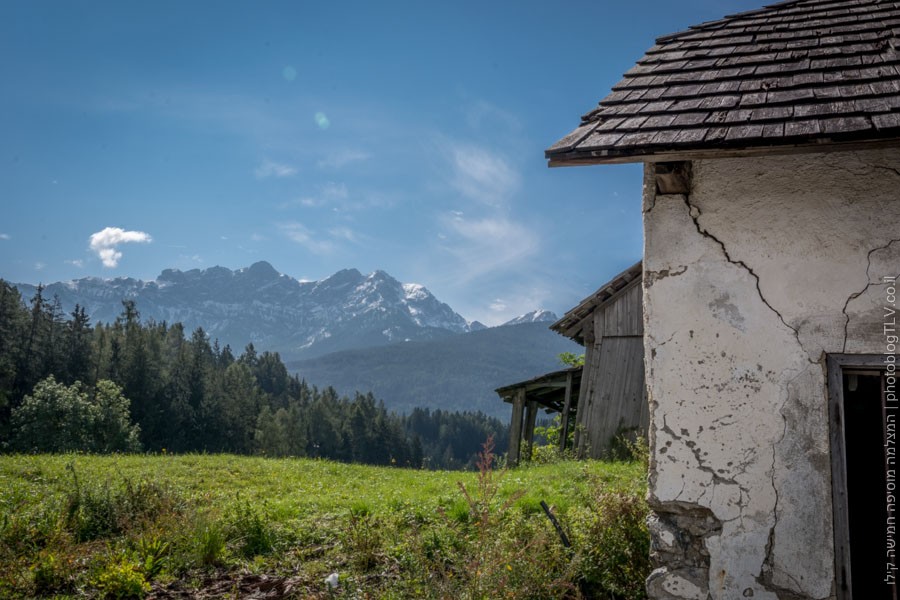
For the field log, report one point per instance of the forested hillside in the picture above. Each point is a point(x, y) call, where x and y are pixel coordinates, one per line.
point(66, 384)
point(458, 372)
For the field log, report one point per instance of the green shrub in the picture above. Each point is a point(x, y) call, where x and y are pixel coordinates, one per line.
point(121, 579)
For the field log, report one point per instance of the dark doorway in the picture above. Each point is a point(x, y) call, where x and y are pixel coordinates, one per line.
point(867, 424)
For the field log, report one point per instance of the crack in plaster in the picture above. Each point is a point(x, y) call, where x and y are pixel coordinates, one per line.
point(694, 213)
point(891, 169)
point(695, 450)
point(869, 283)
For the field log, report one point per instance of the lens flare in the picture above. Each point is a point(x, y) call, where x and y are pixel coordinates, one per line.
point(322, 120)
point(289, 73)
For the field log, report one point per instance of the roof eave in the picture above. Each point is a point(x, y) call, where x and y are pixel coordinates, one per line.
point(574, 158)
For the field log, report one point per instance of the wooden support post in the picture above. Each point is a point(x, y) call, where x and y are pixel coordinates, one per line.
point(567, 406)
point(515, 427)
point(587, 380)
point(530, 418)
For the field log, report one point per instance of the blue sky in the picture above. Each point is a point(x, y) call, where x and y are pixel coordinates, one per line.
point(403, 136)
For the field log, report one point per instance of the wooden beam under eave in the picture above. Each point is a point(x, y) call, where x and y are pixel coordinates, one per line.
point(673, 177)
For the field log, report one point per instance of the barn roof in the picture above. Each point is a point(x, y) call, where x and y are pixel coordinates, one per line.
point(548, 390)
point(571, 324)
point(794, 75)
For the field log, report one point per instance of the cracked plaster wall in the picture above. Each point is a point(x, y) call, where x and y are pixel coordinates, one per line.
point(768, 264)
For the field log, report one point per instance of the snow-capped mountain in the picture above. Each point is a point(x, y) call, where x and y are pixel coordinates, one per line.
point(535, 316)
point(274, 311)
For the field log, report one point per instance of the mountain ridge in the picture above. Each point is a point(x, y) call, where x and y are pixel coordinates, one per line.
point(276, 312)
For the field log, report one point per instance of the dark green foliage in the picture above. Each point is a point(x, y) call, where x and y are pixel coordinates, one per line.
point(60, 418)
point(66, 385)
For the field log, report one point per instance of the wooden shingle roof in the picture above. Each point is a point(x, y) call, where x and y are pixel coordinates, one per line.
point(798, 74)
point(571, 324)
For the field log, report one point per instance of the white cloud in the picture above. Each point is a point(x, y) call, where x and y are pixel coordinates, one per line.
point(326, 193)
point(344, 233)
point(76, 262)
point(498, 305)
point(270, 168)
point(39, 266)
point(481, 112)
point(485, 245)
point(483, 175)
point(298, 233)
point(342, 158)
point(105, 243)
point(4, 236)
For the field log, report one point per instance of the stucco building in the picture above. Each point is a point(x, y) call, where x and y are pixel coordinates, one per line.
point(771, 206)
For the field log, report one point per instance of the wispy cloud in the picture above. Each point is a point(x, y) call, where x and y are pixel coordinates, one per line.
point(344, 233)
point(190, 260)
point(297, 232)
point(105, 243)
point(39, 266)
point(326, 193)
point(482, 175)
point(484, 245)
point(481, 112)
point(270, 168)
point(342, 158)
point(75, 262)
point(5, 236)
point(498, 305)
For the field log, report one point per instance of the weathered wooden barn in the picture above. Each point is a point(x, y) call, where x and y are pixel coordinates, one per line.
point(612, 399)
point(771, 205)
point(608, 396)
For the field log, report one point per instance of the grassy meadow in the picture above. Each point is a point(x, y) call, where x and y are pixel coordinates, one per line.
point(211, 526)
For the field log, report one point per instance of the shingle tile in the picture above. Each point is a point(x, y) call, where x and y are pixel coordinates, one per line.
point(690, 119)
point(887, 121)
point(806, 128)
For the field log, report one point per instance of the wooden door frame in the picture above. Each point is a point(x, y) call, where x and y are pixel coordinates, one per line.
point(836, 364)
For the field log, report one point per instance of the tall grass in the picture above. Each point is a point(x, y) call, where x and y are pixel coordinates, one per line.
point(118, 526)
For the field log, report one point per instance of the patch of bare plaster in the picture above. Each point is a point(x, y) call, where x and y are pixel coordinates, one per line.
point(868, 303)
point(722, 308)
